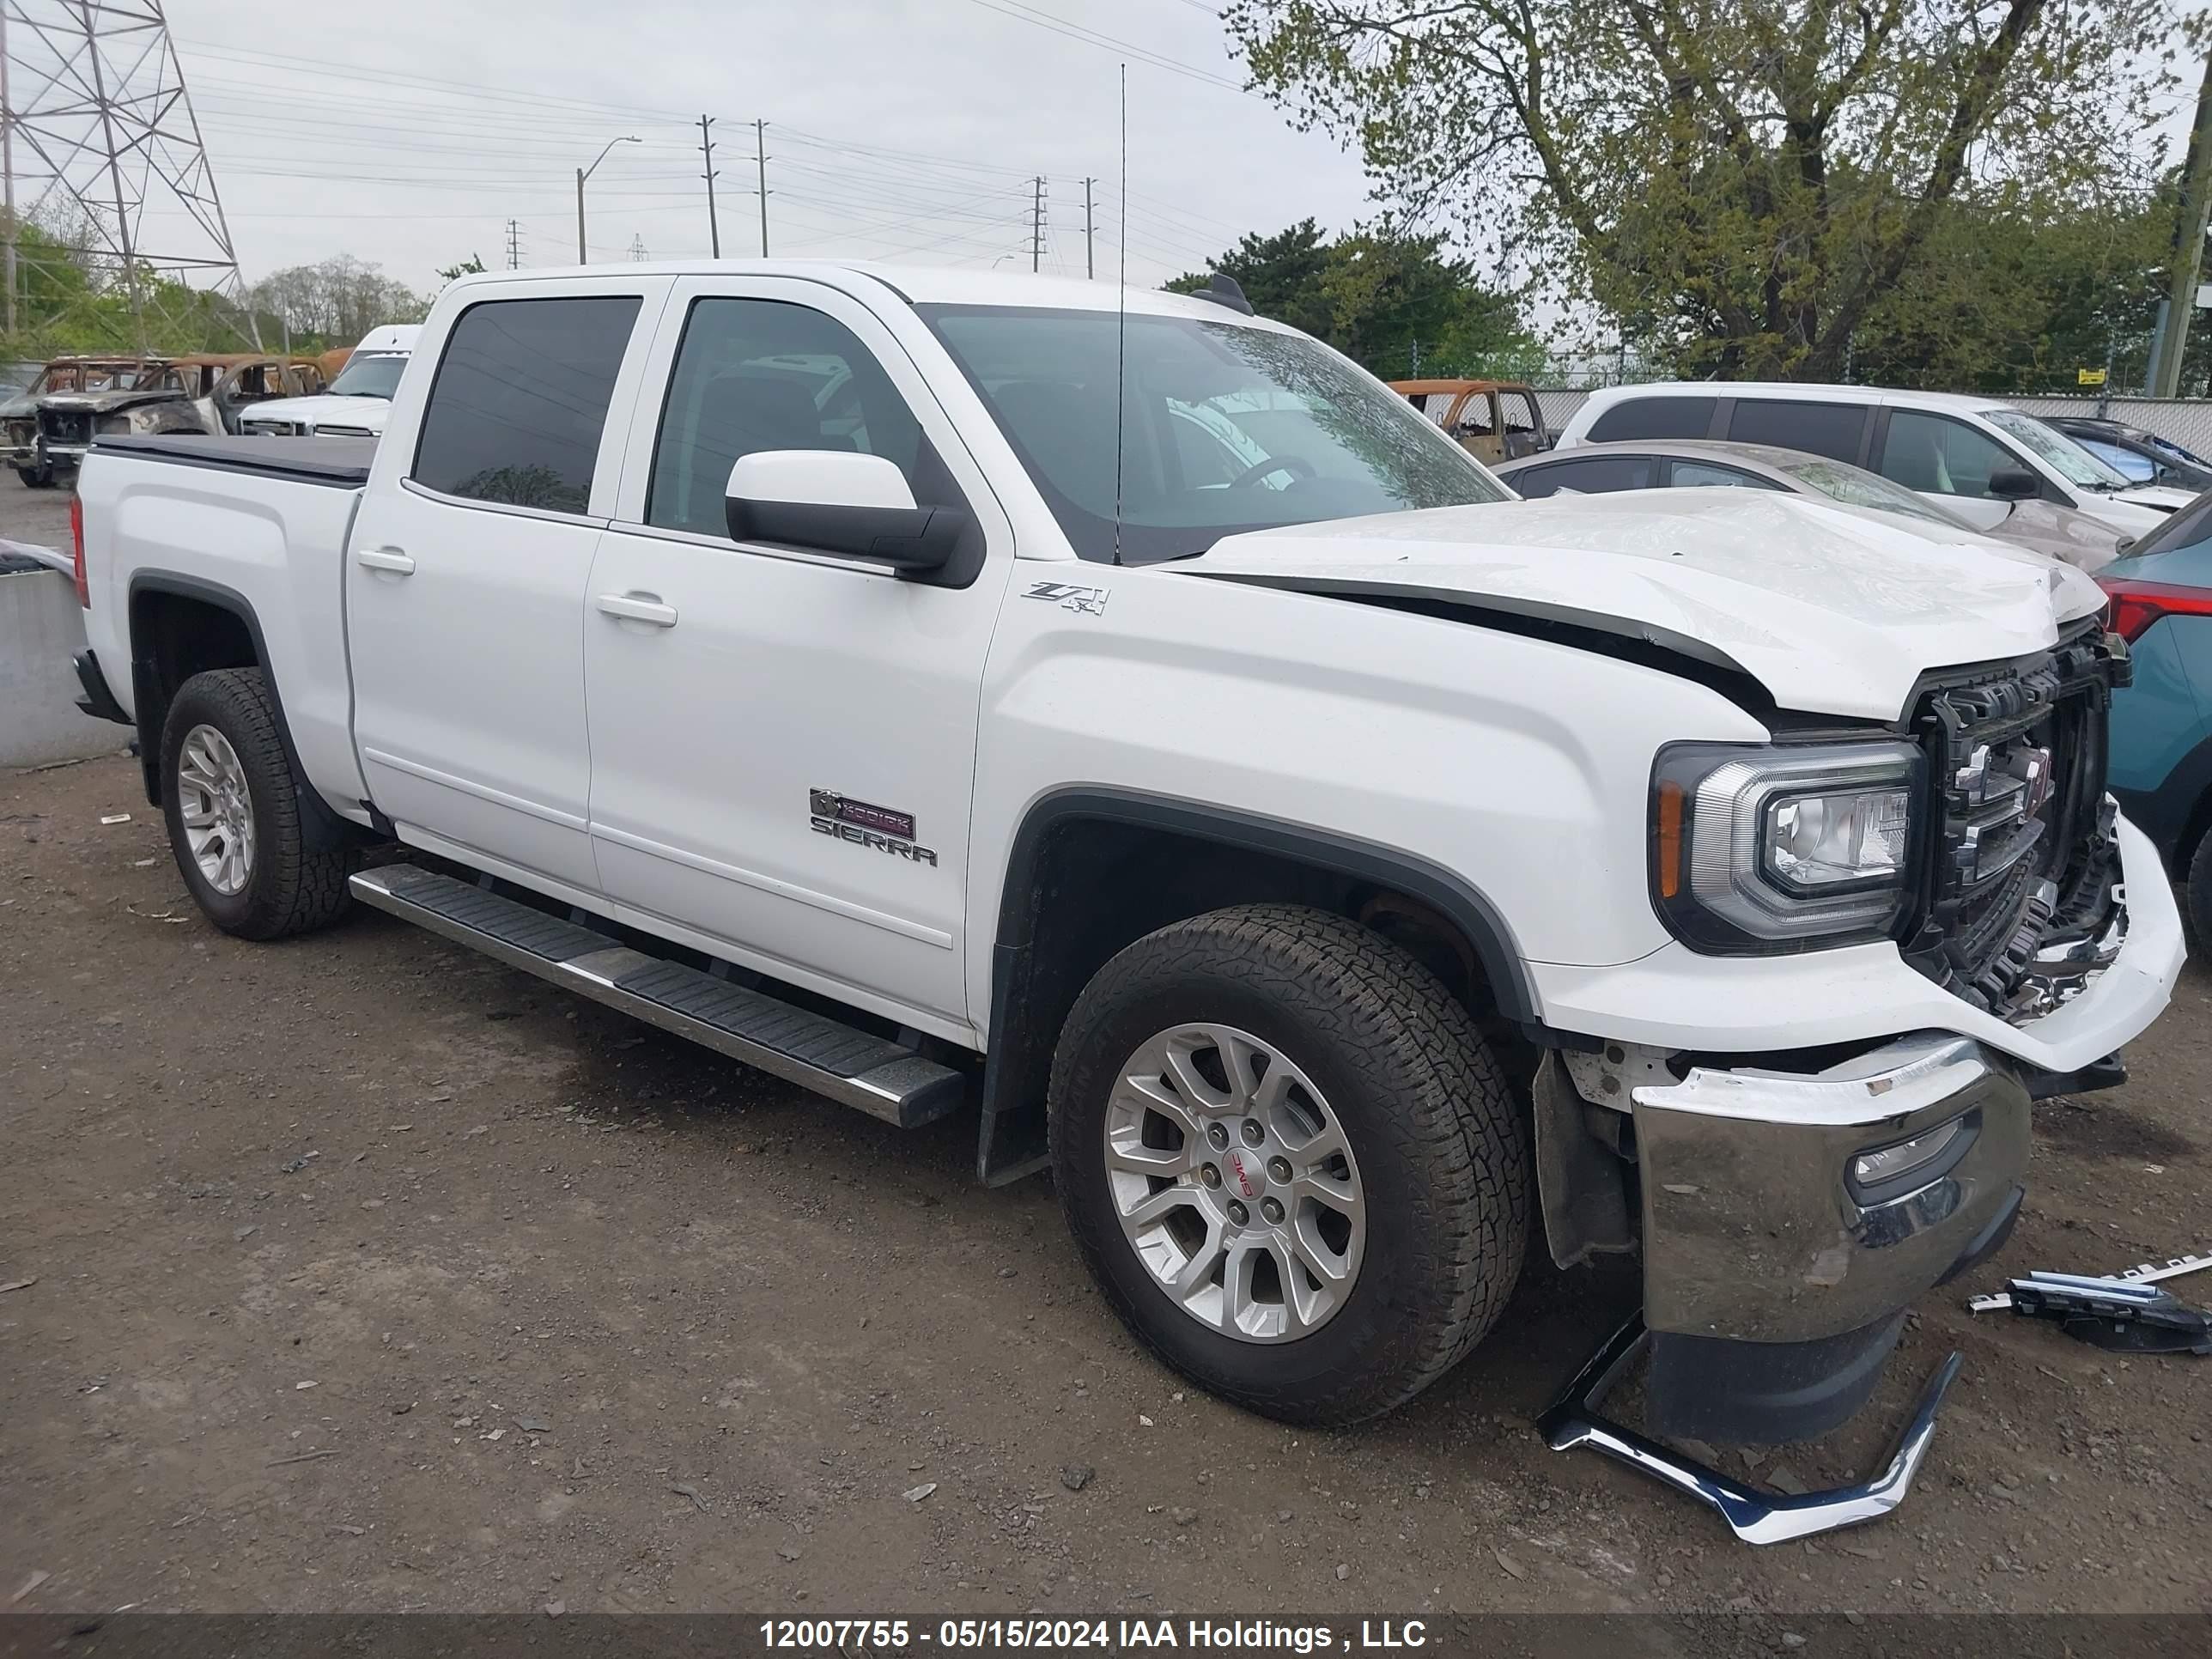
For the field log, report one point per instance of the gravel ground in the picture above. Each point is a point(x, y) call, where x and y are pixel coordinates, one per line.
point(366, 1274)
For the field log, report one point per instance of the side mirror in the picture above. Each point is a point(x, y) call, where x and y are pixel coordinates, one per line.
point(2014, 483)
point(830, 501)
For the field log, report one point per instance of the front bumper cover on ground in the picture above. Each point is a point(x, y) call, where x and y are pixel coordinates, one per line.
point(1755, 1517)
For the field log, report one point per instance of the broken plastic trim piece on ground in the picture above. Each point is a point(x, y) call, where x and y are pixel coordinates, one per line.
point(2112, 1313)
point(2147, 1272)
point(1755, 1517)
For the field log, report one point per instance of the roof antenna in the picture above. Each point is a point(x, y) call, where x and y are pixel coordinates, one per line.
point(1121, 319)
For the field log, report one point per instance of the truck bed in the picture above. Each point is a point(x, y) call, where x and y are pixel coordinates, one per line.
point(340, 463)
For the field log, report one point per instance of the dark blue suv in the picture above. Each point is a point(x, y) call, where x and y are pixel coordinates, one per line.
point(2161, 758)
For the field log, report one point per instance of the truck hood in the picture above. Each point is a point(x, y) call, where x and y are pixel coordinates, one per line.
point(106, 403)
point(1833, 613)
point(367, 413)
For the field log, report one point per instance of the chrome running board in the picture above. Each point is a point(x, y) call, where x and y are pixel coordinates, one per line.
point(853, 1067)
point(1755, 1517)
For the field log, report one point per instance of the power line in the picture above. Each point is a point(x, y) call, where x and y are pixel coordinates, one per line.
point(1091, 37)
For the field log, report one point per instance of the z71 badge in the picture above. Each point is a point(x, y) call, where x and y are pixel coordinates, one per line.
point(1084, 601)
point(883, 828)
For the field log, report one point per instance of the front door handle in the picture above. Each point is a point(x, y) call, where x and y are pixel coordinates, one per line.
point(385, 558)
point(638, 607)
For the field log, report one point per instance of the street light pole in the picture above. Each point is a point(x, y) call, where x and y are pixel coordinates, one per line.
point(583, 173)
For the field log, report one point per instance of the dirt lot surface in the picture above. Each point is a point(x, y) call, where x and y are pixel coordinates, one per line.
point(370, 1274)
point(362, 1273)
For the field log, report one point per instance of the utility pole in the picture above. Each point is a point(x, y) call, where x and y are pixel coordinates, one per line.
point(707, 149)
point(760, 157)
point(1090, 268)
point(514, 244)
point(2188, 248)
point(637, 252)
point(8, 167)
point(1037, 225)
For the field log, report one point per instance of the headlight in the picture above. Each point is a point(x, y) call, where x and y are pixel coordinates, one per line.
point(1773, 849)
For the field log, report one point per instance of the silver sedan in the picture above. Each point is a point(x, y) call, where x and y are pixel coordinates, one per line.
point(2045, 527)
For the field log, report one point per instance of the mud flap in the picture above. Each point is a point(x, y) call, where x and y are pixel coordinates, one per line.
point(1582, 1186)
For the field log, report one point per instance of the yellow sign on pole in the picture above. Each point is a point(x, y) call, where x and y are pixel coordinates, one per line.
point(2089, 376)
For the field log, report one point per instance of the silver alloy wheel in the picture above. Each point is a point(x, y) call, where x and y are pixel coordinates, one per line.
point(1235, 1183)
point(217, 808)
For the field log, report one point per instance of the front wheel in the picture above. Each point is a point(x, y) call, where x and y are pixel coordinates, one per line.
point(233, 809)
point(1290, 1161)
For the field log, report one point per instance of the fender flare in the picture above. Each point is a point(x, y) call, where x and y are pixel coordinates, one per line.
point(1005, 1153)
point(320, 827)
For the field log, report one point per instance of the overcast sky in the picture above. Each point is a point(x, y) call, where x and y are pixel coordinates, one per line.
point(409, 132)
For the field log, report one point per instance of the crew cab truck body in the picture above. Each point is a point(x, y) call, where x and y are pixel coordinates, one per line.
point(1333, 867)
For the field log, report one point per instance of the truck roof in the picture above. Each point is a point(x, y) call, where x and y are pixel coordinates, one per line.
point(917, 284)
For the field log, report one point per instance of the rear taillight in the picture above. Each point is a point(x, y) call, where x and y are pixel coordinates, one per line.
point(2136, 605)
point(77, 540)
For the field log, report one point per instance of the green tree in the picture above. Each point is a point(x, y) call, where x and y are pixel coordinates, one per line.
point(1742, 181)
point(1395, 303)
point(468, 267)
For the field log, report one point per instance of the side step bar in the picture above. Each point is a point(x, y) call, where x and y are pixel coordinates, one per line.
point(854, 1066)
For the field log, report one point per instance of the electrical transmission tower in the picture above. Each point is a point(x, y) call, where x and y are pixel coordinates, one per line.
point(1036, 223)
point(102, 154)
point(637, 247)
point(514, 244)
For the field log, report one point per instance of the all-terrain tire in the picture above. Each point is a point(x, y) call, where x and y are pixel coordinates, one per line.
point(1441, 1147)
point(288, 889)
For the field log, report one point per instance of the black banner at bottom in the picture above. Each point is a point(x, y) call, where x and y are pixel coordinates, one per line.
point(731, 1636)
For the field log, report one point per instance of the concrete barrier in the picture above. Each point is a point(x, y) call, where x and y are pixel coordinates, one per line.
point(40, 629)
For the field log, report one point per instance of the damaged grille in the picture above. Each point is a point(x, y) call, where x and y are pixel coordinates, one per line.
point(62, 426)
point(2025, 857)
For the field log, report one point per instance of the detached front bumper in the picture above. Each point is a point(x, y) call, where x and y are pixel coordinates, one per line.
point(1781, 1207)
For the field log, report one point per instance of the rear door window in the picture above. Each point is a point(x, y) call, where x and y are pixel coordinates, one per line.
point(521, 400)
point(1835, 430)
point(1595, 475)
point(1655, 417)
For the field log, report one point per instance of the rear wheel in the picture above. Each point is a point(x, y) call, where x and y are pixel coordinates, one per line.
point(233, 809)
point(2199, 890)
point(1290, 1161)
point(34, 477)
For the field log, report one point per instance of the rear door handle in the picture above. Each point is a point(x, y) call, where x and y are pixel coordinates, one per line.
point(385, 558)
point(638, 607)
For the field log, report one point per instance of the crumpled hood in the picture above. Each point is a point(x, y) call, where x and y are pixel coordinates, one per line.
point(106, 403)
point(369, 413)
point(1831, 612)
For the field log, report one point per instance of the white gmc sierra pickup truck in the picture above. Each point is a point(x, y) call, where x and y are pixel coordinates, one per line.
point(1330, 866)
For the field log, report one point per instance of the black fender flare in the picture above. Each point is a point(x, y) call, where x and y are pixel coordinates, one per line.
point(1005, 1152)
point(321, 829)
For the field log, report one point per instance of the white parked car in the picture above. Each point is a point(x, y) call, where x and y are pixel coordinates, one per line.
point(1975, 455)
point(1331, 867)
point(355, 404)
